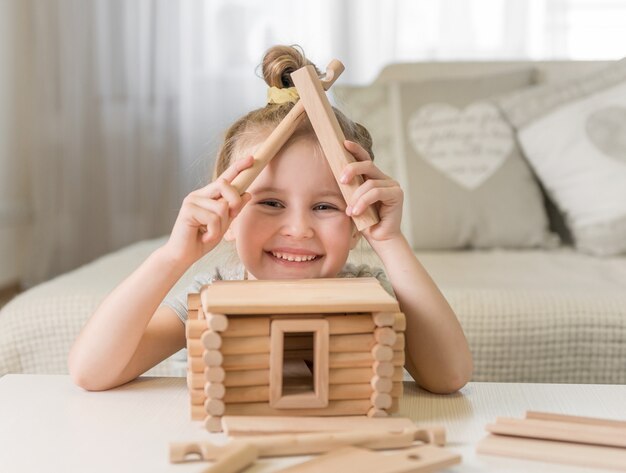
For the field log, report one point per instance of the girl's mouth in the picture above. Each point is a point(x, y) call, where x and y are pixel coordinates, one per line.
point(292, 259)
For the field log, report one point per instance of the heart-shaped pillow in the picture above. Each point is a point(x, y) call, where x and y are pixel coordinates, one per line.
point(467, 145)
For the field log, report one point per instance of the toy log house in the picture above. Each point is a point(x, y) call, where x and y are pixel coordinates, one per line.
point(314, 347)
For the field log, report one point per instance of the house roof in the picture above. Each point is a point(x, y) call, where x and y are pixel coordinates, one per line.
point(297, 296)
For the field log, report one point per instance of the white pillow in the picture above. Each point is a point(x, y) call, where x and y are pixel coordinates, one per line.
point(574, 136)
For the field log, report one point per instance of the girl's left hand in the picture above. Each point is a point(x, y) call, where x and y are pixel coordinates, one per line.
point(379, 190)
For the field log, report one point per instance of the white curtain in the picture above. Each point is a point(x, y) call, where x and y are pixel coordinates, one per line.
point(127, 100)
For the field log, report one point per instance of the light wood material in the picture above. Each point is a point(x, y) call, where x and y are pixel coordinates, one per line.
point(399, 322)
point(330, 136)
point(377, 413)
point(316, 398)
point(350, 324)
point(384, 319)
point(589, 433)
point(195, 328)
point(214, 374)
point(361, 359)
point(247, 378)
point(279, 136)
point(241, 326)
point(246, 362)
point(381, 385)
point(592, 456)
point(385, 336)
point(382, 353)
point(575, 419)
point(262, 393)
point(212, 358)
point(385, 369)
point(380, 400)
point(214, 390)
point(213, 424)
point(245, 345)
point(422, 459)
point(195, 364)
point(334, 408)
point(193, 302)
point(216, 322)
point(197, 396)
point(214, 407)
point(296, 296)
point(211, 340)
point(251, 425)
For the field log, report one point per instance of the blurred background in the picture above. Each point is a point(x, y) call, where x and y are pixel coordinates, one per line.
point(111, 111)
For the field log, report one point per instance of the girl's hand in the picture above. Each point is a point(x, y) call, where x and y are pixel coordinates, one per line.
point(206, 214)
point(379, 190)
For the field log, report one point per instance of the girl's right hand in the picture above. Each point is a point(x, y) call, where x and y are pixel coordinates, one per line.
point(206, 214)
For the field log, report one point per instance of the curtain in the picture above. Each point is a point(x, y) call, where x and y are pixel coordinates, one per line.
point(126, 101)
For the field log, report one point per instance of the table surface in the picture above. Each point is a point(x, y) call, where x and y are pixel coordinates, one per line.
point(49, 424)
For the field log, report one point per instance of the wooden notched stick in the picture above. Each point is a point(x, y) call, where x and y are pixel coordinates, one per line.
point(239, 453)
point(314, 103)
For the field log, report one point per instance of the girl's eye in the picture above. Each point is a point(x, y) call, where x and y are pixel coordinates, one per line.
point(272, 203)
point(325, 207)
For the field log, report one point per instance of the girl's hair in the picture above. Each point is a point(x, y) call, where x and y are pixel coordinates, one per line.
point(278, 63)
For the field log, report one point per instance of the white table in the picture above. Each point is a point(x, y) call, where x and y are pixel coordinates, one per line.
point(47, 424)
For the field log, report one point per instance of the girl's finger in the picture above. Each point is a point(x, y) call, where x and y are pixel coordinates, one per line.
point(228, 192)
point(219, 208)
point(368, 186)
point(357, 151)
point(386, 195)
point(364, 168)
point(235, 168)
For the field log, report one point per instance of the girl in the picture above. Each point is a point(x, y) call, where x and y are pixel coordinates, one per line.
point(292, 223)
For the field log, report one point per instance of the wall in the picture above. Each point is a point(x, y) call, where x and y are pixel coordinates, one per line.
point(14, 213)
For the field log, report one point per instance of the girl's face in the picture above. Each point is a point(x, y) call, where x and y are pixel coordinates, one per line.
point(295, 226)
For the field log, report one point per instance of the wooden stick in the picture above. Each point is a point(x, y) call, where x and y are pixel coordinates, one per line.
point(214, 390)
point(592, 456)
point(197, 396)
point(382, 385)
point(195, 328)
point(334, 408)
point(380, 400)
point(575, 419)
point(211, 340)
point(239, 326)
point(253, 425)
point(386, 369)
point(336, 392)
point(385, 336)
point(214, 374)
point(330, 137)
point(216, 322)
point(246, 362)
point(279, 136)
point(212, 358)
point(382, 353)
point(563, 431)
point(399, 322)
point(377, 413)
point(361, 359)
point(195, 364)
point(246, 345)
point(247, 378)
point(193, 301)
point(384, 319)
point(213, 423)
point(214, 407)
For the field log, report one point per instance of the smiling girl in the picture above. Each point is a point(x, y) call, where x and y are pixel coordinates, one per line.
point(292, 223)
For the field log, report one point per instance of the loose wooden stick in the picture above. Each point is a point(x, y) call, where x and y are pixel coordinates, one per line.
point(565, 431)
point(575, 419)
point(279, 136)
point(307, 444)
point(558, 452)
point(251, 425)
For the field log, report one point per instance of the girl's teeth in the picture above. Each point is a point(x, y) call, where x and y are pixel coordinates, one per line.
point(297, 259)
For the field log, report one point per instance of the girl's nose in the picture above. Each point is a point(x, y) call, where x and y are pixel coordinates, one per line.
point(298, 225)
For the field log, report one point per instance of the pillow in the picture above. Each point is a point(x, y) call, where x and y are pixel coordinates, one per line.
point(465, 179)
point(574, 135)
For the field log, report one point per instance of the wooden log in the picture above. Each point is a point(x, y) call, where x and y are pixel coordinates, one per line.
point(239, 394)
point(197, 396)
point(382, 385)
point(216, 322)
point(349, 375)
point(214, 407)
point(361, 359)
point(214, 390)
point(258, 425)
point(349, 391)
point(381, 400)
point(245, 345)
point(193, 314)
point(334, 408)
point(211, 340)
point(194, 347)
point(384, 368)
point(377, 413)
point(195, 328)
point(213, 424)
point(350, 324)
point(214, 374)
point(247, 378)
point(212, 358)
point(195, 364)
point(195, 380)
point(239, 326)
point(336, 392)
point(399, 322)
point(397, 389)
point(399, 343)
point(246, 362)
point(382, 353)
point(197, 412)
point(384, 319)
point(385, 336)
point(193, 301)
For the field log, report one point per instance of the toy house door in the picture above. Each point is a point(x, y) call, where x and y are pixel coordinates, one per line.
point(299, 363)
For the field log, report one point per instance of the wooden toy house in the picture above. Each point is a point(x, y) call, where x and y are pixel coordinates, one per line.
point(314, 347)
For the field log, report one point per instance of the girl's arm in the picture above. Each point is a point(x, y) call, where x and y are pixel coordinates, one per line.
point(129, 333)
point(438, 356)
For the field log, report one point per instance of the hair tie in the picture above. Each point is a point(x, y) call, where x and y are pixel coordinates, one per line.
point(279, 96)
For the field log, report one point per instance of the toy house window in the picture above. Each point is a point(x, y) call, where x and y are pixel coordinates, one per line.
point(299, 363)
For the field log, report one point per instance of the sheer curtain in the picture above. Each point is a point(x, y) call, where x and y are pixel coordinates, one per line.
point(127, 101)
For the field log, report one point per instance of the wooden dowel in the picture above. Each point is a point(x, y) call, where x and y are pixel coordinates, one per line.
point(216, 322)
point(253, 425)
point(246, 362)
point(347, 343)
point(349, 391)
point(349, 375)
point(197, 412)
point(382, 385)
point(194, 347)
point(195, 364)
point(214, 407)
point(385, 336)
point(214, 390)
point(239, 326)
point(193, 300)
point(334, 408)
point(591, 456)
point(211, 340)
point(384, 319)
point(563, 431)
point(399, 322)
point(382, 353)
point(212, 358)
point(197, 396)
point(575, 419)
point(214, 374)
point(384, 368)
point(195, 380)
point(241, 394)
point(192, 314)
point(213, 424)
point(247, 378)
point(377, 413)
point(397, 389)
point(195, 328)
point(245, 345)
point(350, 324)
point(380, 400)
point(360, 360)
